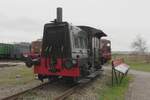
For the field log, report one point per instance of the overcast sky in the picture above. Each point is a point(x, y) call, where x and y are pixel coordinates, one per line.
point(122, 20)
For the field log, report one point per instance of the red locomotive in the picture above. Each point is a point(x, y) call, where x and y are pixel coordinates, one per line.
point(105, 48)
point(72, 52)
point(36, 46)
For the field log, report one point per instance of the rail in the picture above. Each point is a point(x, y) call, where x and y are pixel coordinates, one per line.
point(15, 96)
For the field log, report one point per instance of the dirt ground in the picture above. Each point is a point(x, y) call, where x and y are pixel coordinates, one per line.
point(51, 91)
point(18, 78)
point(15, 79)
point(11, 63)
point(92, 90)
point(139, 88)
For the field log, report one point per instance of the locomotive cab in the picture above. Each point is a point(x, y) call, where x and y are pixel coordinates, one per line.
point(94, 44)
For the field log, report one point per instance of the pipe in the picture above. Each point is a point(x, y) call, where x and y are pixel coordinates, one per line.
point(59, 14)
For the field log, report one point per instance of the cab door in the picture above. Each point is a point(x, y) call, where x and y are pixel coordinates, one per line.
point(96, 50)
point(79, 44)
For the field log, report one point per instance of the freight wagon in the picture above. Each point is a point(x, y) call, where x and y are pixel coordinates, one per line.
point(19, 49)
point(5, 50)
point(36, 46)
point(13, 51)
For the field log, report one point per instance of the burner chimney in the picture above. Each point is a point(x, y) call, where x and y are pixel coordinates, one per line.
point(59, 14)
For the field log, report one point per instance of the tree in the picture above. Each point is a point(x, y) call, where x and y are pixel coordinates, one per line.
point(139, 45)
point(140, 49)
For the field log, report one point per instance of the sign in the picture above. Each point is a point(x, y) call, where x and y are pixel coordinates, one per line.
point(119, 70)
point(123, 68)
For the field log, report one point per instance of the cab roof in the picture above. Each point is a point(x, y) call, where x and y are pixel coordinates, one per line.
point(93, 31)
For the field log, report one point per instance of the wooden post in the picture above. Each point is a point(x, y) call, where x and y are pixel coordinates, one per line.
point(112, 73)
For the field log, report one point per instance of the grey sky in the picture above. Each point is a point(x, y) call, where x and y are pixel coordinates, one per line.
point(122, 20)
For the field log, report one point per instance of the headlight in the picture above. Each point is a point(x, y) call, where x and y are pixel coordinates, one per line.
point(68, 64)
point(108, 44)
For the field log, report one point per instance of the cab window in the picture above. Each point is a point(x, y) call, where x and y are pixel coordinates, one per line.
point(79, 40)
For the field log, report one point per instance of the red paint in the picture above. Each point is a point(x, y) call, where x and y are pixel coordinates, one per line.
point(44, 66)
point(106, 53)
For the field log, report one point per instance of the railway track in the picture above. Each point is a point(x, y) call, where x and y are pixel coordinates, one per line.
point(73, 89)
point(65, 93)
point(15, 96)
point(19, 94)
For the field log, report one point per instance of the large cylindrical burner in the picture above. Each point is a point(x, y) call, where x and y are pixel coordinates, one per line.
point(59, 14)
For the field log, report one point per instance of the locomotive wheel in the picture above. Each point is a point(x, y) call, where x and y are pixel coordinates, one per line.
point(71, 80)
point(99, 67)
point(102, 61)
point(52, 78)
point(75, 80)
point(40, 77)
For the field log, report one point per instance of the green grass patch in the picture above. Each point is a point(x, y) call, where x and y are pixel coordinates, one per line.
point(16, 75)
point(116, 92)
point(140, 66)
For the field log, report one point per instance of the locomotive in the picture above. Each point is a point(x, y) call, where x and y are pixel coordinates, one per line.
point(70, 52)
point(36, 46)
point(105, 48)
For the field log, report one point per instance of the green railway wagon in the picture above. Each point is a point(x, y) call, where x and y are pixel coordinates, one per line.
point(5, 50)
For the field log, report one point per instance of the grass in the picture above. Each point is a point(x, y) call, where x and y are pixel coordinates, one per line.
point(116, 92)
point(140, 66)
point(105, 91)
point(16, 75)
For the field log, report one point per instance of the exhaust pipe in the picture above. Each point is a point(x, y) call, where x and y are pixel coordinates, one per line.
point(59, 14)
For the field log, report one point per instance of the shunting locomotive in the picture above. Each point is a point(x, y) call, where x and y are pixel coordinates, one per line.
point(105, 48)
point(69, 52)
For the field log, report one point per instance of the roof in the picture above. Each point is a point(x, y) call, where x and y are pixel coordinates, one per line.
point(93, 31)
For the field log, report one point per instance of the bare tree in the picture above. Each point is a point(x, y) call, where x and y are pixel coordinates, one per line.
point(139, 45)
